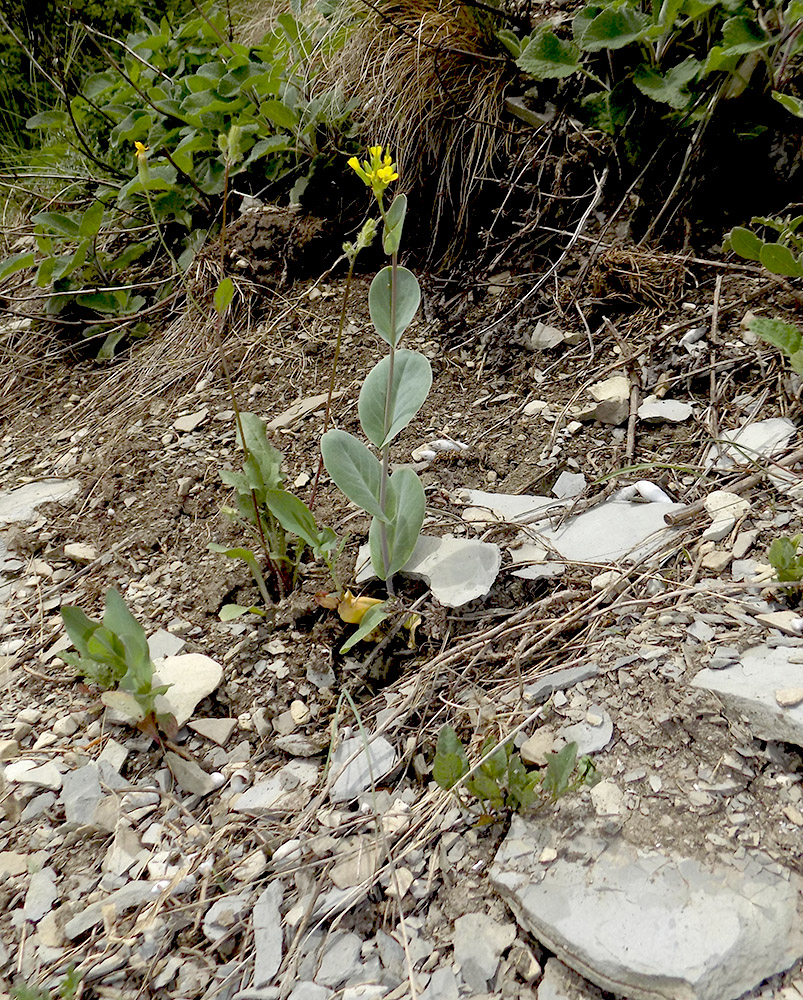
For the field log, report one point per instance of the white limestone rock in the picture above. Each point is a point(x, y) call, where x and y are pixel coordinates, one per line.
point(191, 676)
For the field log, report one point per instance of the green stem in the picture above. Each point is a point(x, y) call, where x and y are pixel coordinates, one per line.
point(383, 486)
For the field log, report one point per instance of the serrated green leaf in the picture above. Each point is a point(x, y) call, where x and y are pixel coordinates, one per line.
point(451, 762)
point(613, 28)
point(782, 335)
point(743, 34)
point(548, 57)
point(670, 88)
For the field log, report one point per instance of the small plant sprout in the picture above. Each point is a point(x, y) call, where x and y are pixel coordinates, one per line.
point(785, 558)
point(114, 655)
point(393, 392)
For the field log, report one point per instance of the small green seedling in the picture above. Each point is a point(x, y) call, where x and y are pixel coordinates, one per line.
point(272, 514)
point(785, 559)
point(503, 781)
point(114, 655)
point(66, 990)
point(393, 392)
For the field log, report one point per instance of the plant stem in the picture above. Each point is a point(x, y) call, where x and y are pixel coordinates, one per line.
point(383, 487)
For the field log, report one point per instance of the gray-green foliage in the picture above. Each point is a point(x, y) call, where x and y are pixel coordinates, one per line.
point(113, 654)
point(785, 559)
point(393, 392)
point(66, 990)
point(503, 781)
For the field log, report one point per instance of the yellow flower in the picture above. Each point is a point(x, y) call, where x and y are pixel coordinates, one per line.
point(377, 172)
point(141, 149)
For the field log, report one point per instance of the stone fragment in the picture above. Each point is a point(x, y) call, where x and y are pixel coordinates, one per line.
point(164, 643)
point(656, 411)
point(19, 504)
point(746, 445)
point(307, 990)
point(608, 798)
point(9, 749)
point(569, 484)
point(340, 961)
point(357, 861)
point(535, 749)
point(590, 737)
point(268, 934)
point(559, 680)
point(789, 697)
point(189, 422)
point(543, 337)
point(612, 397)
point(191, 677)
point(478, 945)
point(217, 730)
point(251, 867)
point(224, 914)
point(717, 561)
point(190, 776)
point(41, 895)
point(442, 985)
point(457, 570)
point(131, 895)
point(649, 927)
point(13, 863)
point(725, 509)
point(27, 772)
point(80, 552)
point(748, 687)
point(300, 409)
point(284, 791)
point(369, 766)
point(784, 621)
point(81, 794)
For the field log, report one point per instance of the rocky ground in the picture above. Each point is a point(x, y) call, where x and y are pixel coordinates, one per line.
point(603, 581)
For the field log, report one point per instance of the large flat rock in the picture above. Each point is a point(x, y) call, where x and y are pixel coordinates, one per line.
point(749, 687)
point(647, 926)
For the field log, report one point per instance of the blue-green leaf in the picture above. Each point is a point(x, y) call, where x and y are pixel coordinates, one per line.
point(408, 298)
point(412, 379)
point(354, 470)
point(405, 507)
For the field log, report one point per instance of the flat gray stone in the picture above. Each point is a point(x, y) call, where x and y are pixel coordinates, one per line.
point(224, 914)
point(658, 411)
point(457, 570)
point(569, 484)
point(370, 765)
point(307, 990)
point(559, 680)
point(478, 945)
point(81, 794)
point(341, 960)
point(290, 788)
point(588, 737)
point(267, 919)
point(190, 776)
point(442, 985)
point(759, 440)
point(217, 730)
point(24, 771)
point(748, 686)
point(19, 504)
point(131, 895)
point(647, 926)
point(41, 895)
point(191, 677)
point(164, 643)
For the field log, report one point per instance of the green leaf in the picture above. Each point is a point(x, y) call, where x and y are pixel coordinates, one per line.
point(354, 470)
point(613, 28)
point(373, 617)
point(745, 243)
point(231, 611)
point(511, 41)
point(784, 558)
point(548, 57)
point(293, 515)
point(405, 508)
point(49, 119)
point(743, 34)
point(264, 464)
point(56, 222)
point(521, 783)
point(791, 103)
point(412, 380)
point(782, 335)
point(279, 113)
point(117, 618)
point(79, 627)
point(224, 293)
point(496, 765)
point(17, 262)
point(558, 770)
point(408, 298)
point(91, 220)
point(779, 259)
point(451, 762)
point(485, 788)
point(102, 302)
point(672, 88)
point(394, 224)
point(126, 703)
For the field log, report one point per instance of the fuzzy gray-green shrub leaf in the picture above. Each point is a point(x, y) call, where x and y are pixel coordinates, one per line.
point(354, 470)
point(405, 508)
point(380, 298)
point(412, 380)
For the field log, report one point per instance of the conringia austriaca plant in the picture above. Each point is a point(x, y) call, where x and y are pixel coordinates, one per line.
point(393, 392)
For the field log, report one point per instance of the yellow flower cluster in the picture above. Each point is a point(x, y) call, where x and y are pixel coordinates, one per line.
point(377, 172)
